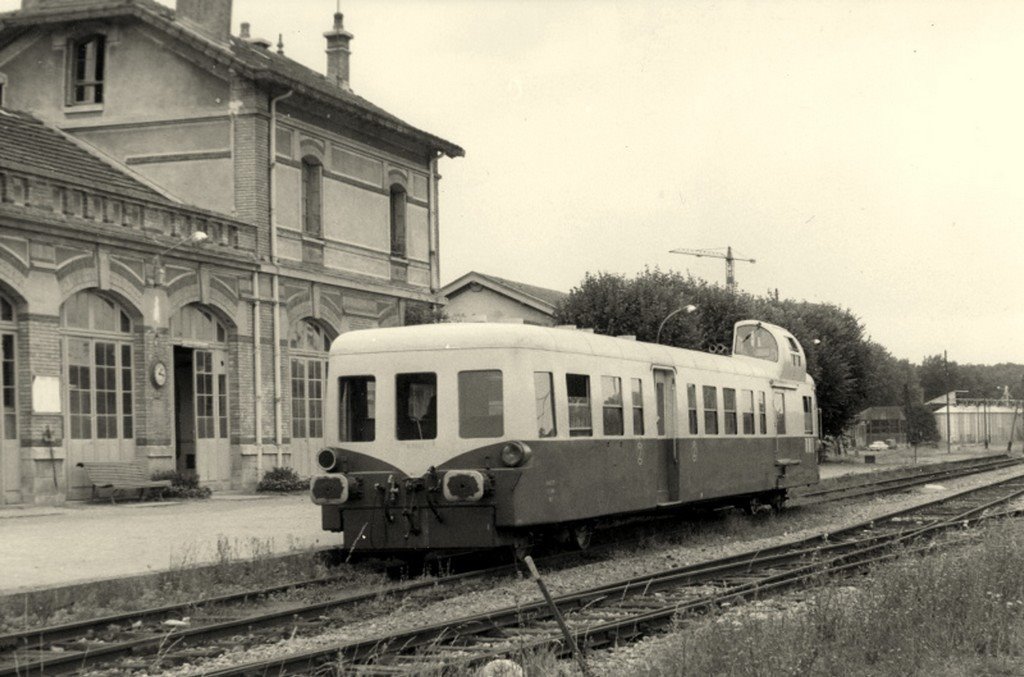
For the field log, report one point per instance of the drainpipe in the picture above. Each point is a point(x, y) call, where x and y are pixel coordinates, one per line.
point(257, 365)
point(434, 231)
point(275, 279)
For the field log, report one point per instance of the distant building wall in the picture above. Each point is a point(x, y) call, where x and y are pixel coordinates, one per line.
point(490, 306)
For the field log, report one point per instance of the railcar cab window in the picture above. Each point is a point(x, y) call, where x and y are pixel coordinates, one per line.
point(357, 406)
point(780, 413)
point(710, 410)
point(611, 391)
point(416, 406)
point(729, 407)
point(577, 387)
point(808, 416)
point(481, 404)
point(87, 62)
point(544, 396)
point(758, 342)
point(794, 352)
point(638, 407)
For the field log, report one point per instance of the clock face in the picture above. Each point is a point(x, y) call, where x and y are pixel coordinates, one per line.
point(159, 374)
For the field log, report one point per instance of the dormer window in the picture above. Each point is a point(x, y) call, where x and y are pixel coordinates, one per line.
point(794, 352)
point(87, 57)
point(756, 341)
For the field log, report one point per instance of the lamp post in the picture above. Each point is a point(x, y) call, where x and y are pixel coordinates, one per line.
point(197, 237)
point(687, 309)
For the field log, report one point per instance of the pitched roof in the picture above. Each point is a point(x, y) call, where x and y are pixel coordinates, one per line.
point(28, 145)
point(548, 298)
point(257, 63)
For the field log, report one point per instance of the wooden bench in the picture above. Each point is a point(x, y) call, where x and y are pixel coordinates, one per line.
point(121, 476)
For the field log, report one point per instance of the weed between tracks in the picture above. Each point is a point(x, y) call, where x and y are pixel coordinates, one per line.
point(237, 566)
point(958, 612)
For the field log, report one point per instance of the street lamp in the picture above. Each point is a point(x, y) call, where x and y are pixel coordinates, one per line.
point(687, 309)
point(196, 237)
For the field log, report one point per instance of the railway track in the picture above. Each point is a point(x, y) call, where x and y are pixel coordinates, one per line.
point(635, 607)
point(67, 648)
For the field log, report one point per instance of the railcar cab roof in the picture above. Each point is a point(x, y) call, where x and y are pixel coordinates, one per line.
point(497, 336)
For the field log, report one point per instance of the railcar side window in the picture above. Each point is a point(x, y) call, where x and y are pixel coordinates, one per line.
point(691, 403)
point(729, 407)
point(638, 407)
point(762, 408)
point(756, 342)
point(808, 416)
point(357, 404)
point(544, 397)
point(747, 402)
point(481, 404)
point(416, 406)
point(710, 410)
point(794, 352)
point(779, 401)
point(611, 392)
point(578, 389)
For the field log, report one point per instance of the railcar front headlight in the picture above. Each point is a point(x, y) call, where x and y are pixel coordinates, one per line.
point(514, 454)
point(327, 459)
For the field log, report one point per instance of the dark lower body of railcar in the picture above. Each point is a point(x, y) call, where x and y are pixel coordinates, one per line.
point(474, 501)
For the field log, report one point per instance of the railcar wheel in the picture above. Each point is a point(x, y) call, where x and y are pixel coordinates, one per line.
point(777, 500)
point(581, 535)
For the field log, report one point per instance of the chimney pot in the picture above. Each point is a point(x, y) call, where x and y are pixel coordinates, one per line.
point(212, 18)
point(244, 33)
point(338, 52)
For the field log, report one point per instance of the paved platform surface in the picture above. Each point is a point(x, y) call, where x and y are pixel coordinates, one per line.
point(79, 542)
point(44, 547)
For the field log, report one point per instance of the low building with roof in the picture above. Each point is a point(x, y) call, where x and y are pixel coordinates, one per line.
point(187, 219)
point(879, 424)
point(477, 297)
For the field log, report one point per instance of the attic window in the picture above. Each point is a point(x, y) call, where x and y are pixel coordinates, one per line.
point(87, 56)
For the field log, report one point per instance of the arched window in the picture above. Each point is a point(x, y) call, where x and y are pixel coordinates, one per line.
point(397, 220)
point(312, 205)
point(87, 62)
point(309, 345)
point(99, 367)
point(194, 323)
point(8, 373)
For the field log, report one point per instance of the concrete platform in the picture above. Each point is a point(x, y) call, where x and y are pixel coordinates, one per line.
point(43, 547)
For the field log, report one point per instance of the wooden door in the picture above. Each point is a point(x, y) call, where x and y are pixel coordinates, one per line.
point(212, 435)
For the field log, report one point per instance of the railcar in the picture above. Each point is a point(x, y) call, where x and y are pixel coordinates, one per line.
point(453, 436)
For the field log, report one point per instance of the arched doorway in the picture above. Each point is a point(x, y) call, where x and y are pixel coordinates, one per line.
point(202, 437)
point(10, 470)
point(308, 345)
point(100, 387)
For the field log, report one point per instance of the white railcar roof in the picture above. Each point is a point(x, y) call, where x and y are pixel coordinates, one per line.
point(497, 336)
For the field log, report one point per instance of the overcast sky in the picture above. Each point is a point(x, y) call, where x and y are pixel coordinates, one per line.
point(868, 154)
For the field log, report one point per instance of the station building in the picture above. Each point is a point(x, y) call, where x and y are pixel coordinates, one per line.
point(187, 219)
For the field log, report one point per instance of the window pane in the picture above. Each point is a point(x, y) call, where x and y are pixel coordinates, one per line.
point(416, 406)
point(762, 413)
point(578, 390)
point(779, 401)
point(638, 407)
point(7, 386)
point(481, 406)
point(757, 342)
point(729, 407)
point(356, 405)
point(809, 417)
point(691, 404)
point(748, 412)
point(544, 397)
point(710, 410)
point(611, 393)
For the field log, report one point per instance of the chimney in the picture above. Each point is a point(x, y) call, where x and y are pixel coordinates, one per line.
point(212, 18)
point(338, 52)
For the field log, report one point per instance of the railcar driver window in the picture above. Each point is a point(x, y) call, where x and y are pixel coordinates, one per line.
point(416, 406)
point(544, 396)
point(578, 389)
point(357, 403)
point(481, 406)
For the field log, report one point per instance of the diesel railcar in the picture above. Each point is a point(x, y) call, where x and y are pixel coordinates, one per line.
point(453, 436)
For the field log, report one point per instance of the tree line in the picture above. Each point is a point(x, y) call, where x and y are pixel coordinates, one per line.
point(850, 370)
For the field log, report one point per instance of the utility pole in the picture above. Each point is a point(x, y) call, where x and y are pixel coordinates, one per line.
point(730, 262)
point(945, 363)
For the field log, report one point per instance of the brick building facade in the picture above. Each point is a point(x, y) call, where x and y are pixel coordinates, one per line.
point(187, 219)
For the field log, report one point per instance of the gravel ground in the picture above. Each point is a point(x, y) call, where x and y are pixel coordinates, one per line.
point(731, 535)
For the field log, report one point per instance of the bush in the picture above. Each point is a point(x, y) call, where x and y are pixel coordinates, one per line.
point(282, 480)
point(183, 485)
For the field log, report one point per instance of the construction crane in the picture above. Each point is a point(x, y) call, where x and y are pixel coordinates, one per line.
point(730, 260)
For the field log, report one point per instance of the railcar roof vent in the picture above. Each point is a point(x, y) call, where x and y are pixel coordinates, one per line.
point(565, 326)
point(587, 330)
point(628, 337)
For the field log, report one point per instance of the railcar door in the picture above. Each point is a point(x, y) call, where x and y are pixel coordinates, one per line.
point(665, 407)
